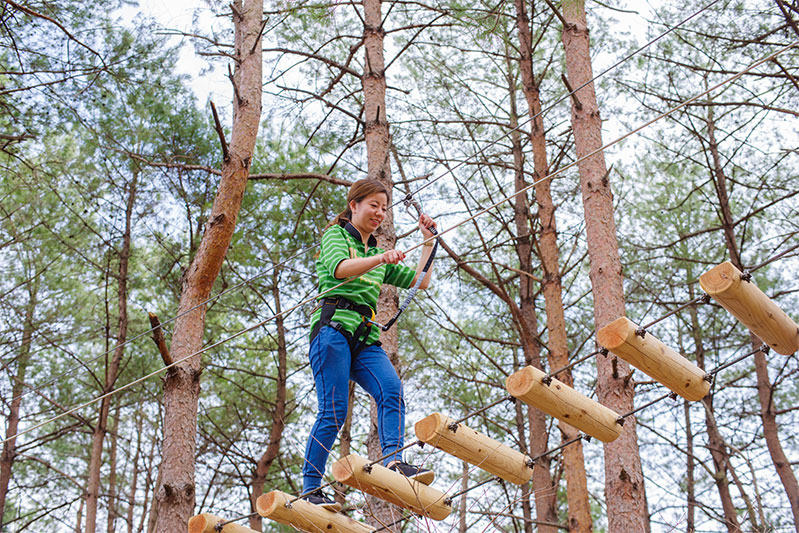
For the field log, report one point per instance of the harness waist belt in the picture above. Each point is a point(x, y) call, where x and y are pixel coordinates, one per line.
point(358, 340)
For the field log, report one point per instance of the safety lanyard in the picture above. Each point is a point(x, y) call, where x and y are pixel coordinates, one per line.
point(408, 201)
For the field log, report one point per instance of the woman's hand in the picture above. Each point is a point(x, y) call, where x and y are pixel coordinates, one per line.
point(392, 257)
point(425, 223)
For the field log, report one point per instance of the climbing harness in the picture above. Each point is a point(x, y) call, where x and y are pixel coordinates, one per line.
point(357, 340)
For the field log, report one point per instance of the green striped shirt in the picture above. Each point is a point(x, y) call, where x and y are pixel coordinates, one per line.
point(340, 243)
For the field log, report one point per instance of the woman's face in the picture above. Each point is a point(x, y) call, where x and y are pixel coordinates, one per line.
point(369, 213)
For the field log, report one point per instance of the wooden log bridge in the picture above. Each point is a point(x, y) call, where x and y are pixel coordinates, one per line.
point(391, 486)
point(564, 403)
point(645, 352)
point(306, 516)
point(745, 301)
point(206, 523)
point(474, 447)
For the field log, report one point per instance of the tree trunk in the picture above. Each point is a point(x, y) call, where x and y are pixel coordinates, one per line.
point(718, 451)
point(112, 475)
point(112, 370)
point(176, 491)
point(557, 341)
point(462, 501)
point(152, 516)
point(690, 488)
point(345, 439)
point(135, 478)
point(377, 138)
point(624, 480)
point(765, 390)
point(278, 421)
point(12, 425)
point(543, 491)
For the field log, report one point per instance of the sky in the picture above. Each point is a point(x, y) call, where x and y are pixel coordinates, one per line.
point(179, 15)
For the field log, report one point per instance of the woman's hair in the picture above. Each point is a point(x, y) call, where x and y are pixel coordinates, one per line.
point(358, 191)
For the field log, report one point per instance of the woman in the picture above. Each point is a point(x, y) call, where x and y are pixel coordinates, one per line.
point(344, 344)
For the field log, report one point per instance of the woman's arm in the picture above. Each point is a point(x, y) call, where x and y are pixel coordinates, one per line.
point(350, 268)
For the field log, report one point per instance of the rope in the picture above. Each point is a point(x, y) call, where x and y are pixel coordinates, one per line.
point(82, 364)
point(566, 96)
point(405, 199)
point(443, 232)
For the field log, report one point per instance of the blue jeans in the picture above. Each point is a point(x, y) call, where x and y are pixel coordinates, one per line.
point(333, 368)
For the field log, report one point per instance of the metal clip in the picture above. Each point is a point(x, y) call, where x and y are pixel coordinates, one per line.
point(746, 276)
point(641, 332)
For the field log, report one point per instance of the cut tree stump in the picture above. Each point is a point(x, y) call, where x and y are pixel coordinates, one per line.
point(306, 516)
point(206, 523)
point(475, 448)
point(654, 358)
point(564, 403)
point(746, 302)
point(391, 486)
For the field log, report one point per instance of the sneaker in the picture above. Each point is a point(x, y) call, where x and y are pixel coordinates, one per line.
point(422, 475)
point(317, 497)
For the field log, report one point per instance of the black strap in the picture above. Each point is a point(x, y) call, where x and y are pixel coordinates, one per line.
point(357, 341)
point(416, 285)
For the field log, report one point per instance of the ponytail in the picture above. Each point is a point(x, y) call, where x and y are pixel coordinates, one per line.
point(342, 218)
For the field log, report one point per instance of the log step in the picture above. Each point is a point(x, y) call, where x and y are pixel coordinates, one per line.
point(391, 486)
point(746, 302)
point(474, 447)
point(648, 354)
point(306, 516)
point(206, 523)
point(564, 403)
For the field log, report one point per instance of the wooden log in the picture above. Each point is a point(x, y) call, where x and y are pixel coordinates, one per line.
point(206, 523)
point(564, 403)
point(475, 448)
point(746, 302)
point(391, 486)
point(654, 358)
point(306, 516)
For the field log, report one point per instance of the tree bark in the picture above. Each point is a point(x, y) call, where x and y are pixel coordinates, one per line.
point(543, 491)
point(112, 370)
point(765, 390)
point(112, 475)
point(376, 134)
point(12, 425)
point(462, 503)
point(135, 477)
point(278, 420)
point(715, 443)
point(624, 481)
point(690, 487)
point(175, 494)
point(557, 341)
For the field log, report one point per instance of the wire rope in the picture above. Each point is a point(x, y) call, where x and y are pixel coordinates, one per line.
point(479, 213)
